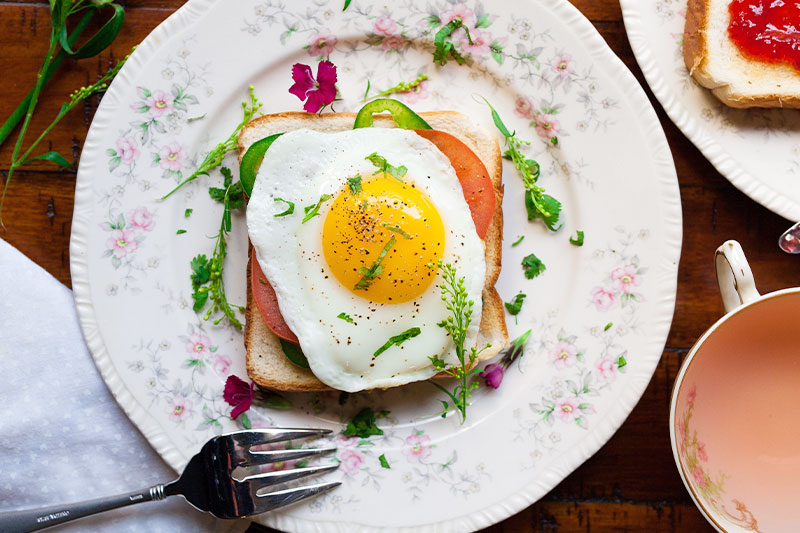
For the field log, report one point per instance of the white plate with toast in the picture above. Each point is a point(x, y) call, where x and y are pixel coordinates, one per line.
point(600, 313)
point(757, 150)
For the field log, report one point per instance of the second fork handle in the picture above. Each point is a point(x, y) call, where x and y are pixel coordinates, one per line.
point(36, 519)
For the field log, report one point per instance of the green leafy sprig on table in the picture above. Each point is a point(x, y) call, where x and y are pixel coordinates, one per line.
point(60, 47)
point(538, 204)
point(216, 155)
point(454, 294)
point(207, 282)
point(444, 46)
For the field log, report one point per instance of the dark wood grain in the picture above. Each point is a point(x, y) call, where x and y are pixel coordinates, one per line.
point(631, 484)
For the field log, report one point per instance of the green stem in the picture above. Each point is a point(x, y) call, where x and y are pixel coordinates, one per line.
point(15, 162)
point(13, 120)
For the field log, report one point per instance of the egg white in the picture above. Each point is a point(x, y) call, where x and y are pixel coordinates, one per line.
point(299, 167)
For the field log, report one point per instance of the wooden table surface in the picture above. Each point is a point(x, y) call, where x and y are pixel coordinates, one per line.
point(631, 484)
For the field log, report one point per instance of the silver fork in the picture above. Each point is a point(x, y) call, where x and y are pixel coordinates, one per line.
point(208, 482)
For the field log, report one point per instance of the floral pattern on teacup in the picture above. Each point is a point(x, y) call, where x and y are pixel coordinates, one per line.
point(710, 487)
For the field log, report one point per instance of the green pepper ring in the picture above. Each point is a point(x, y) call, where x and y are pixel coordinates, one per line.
point(402, 115)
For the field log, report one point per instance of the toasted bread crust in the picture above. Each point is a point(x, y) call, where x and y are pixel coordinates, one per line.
point(740, 72)
point(266, 364)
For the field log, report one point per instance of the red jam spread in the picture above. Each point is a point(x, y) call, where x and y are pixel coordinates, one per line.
point(767, 30)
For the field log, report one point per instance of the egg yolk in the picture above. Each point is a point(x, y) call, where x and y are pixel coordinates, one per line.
point(381, 241)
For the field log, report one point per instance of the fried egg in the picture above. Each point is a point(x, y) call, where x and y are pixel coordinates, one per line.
point(354, 264)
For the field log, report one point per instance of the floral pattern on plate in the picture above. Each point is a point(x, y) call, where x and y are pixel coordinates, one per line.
point(593, 306)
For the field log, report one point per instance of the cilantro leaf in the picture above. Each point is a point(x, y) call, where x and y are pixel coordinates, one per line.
point(577, 241)
point(518, 240)
point(188, 212)
point(397, 229)
point(362, 425)
point(289, 210)
point(355, 184)
point(548, 209)
point(180, 232)
point(383, 165)
point(532, 266)
point(384, 462)
point(312, 211)
point(515, 306)
point(397, 340)
point(344, 316)
point(200, 272)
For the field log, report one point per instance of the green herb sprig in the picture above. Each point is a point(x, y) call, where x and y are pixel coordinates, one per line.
point(444, 46)
point(538, 204)
point(363, 425)
point(19, 158)
point(402, 87)
point(454, 294)
point(207, 282)
point(217, 154)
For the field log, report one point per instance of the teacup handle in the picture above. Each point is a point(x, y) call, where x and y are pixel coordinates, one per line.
point(734, 277)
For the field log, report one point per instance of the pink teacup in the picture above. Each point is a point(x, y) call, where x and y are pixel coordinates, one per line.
point(735, 416)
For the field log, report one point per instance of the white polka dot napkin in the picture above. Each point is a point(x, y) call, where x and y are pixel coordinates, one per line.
point(63, 438)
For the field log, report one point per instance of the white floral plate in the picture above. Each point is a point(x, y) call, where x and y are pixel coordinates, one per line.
point(600, 313)
point(758, 150)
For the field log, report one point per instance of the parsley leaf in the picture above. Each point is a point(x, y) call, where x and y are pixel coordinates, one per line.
point(537, 203)
point(444, 46)
point(289, 210)
point(397, 229)
point(368, 274)
point(362, 425)
point(384, 462)
point(355, 184)
point(312, 211)
point(384, 166)
point(515, 306)
point(454, 294)
point(532, 266)
point(518, 240)
point(578, 241)
point(344, 316)
point(397, 340)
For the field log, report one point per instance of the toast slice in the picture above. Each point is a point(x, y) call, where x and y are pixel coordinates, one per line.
point(266, 364)
point(715, 62)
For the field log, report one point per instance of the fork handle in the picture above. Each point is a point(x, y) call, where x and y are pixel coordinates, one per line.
point(36, 519)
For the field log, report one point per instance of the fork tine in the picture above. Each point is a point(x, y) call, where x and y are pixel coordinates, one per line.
point(273, 500)
point(259, 481)
point(275, 456)
point(251, 437)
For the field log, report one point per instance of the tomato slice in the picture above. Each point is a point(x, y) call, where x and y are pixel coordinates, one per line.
point(478, 192)
point(474, 178)
point(267, 302)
